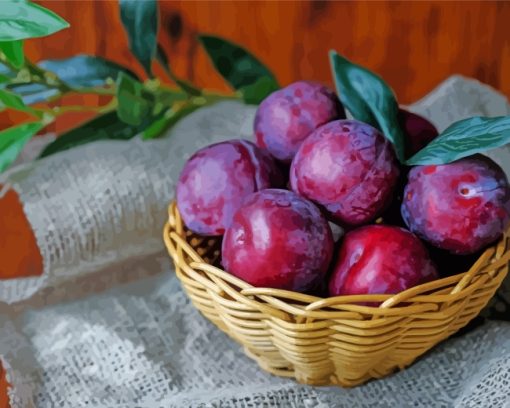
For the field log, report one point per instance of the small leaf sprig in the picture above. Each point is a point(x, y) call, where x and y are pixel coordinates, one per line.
point(135, 107)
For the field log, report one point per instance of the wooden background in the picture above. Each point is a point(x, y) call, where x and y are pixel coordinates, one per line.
point(413, 45)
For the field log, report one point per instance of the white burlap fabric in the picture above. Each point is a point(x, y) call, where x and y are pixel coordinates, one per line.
point(107, 324)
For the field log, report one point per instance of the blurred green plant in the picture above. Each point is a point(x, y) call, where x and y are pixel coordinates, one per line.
point(147, 108)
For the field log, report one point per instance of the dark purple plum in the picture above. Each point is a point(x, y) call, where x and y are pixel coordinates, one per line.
point(216, 179)
point(286, 117)
point(278, 239)
point(347, 167)
point(419, 132)
point(460, 207)
point(380, 259)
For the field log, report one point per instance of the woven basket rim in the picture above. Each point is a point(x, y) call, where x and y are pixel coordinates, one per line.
point(417, 300)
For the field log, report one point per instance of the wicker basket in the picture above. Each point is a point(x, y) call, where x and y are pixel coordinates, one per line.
point(335, 340)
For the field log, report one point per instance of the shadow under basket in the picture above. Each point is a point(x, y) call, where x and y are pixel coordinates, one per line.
point(331, 341)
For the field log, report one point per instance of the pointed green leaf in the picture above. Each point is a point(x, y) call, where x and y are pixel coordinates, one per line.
point(464, 138)
point(32, 93)
point(165, 123)
point(13, 51)
point(257, 92)
point(6, 72)
point(84, 70)
point(168, 97)
point(184, 85)
point(11, 100)
point(13, 139)
point(140, 20)
point(132, 106)
point(4, 78)
point(20, 20)
point(234, 63)
point(162, 58)
point(104, 127)
point(78, 71)
point(369, 99)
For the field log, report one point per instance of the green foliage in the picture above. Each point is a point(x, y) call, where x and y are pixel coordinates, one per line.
point(369, 99)
point(239, 68)
point(13, 51)
point(167, 121)
point(255, 93)
point(32, 93)
point(84, 70)
point(133, 107)
point(104, 127)
point(13, 139)
point(465, 138)
point(184, 85)
point(149, 108)
point(22, 19)
point(140, 20)
point(11, 100)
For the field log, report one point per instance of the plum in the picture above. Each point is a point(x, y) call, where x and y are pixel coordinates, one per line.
point(380, 259)
point(286, 117)
point(278, 239)
point(216, 179)
point(419, 132)
point(460, 207)
point(347, 167)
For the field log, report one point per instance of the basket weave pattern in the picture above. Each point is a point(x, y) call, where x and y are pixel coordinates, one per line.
point(331, 341)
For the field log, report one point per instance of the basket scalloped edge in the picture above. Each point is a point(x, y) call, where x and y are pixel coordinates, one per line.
point(331, 341)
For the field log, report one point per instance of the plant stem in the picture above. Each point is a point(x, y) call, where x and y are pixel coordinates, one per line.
point(59, 110)
point(5, 62)
point(48, 78)
point(97, 91)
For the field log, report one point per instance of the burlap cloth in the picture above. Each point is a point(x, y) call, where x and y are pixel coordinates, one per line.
point(107, 324)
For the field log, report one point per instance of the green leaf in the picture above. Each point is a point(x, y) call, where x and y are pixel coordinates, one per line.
point(464, 138)
point(369, 99)
point(104, 127)
point(78, 71)
point(6, 72)
point(184, 85)
point(11, 100)
point(234, 63)
point(165, 123)
point(257, 92)
point(13, 51)
point(13, 139)
point(140, 20)
point(84, 70)
point(168, 97)
point(32, 93)
point(20, 20)
point(133, 107)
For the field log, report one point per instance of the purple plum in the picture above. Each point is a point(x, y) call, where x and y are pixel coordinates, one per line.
point(380, 259)
point(460, 207)
point(216, 179)
point(278, 239)
point(347, 167)
point(286, 117)
point(419, 132)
